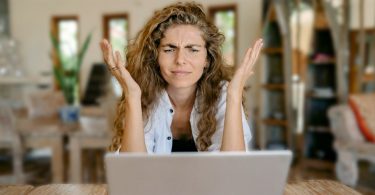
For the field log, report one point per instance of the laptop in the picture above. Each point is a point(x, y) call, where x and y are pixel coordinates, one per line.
point(202, 173)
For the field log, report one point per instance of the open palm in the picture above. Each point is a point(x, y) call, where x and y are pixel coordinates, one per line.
point(116, 65)
point(245, 70)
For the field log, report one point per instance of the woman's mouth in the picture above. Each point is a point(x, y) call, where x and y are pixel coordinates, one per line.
point(180, 73)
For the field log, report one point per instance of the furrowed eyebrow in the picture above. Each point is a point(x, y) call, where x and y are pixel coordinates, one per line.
point(169, 45)
point(192, 45)
point(187, 46)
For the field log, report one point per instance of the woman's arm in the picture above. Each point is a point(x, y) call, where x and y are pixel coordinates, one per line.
point(233, 137)
point(133, 137)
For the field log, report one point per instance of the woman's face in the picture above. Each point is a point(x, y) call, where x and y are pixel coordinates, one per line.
point(182, 56)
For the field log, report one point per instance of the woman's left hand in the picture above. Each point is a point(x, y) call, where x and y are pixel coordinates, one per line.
point(245, 70)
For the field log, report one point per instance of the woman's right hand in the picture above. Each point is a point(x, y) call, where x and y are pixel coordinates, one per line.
point(116, 65)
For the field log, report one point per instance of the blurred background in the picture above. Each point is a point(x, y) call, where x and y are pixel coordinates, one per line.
point(313, 91)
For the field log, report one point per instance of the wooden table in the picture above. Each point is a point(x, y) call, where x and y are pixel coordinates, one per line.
point(47, 133)
point(306, 187)
point(69, 189)
point(79, 141)
point(50, 132)
point(319, 187)
point(15, 189)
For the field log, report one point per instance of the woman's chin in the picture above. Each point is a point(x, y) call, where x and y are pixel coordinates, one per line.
point(182, 85)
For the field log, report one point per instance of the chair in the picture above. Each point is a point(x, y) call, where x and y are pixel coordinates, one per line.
point(350, 144)
point(11, 140)
point(43, 104)
point(40, 128)
point(97, 85)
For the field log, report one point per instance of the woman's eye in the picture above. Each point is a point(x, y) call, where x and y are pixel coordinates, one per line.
point(168, 50)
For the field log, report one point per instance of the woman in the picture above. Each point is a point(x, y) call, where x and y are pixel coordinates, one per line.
point(176, 95)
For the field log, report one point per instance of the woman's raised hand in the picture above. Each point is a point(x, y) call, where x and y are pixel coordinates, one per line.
point(245, 70)
point(116, 65)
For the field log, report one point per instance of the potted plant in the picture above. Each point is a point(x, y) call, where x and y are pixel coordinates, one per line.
point(66, 70)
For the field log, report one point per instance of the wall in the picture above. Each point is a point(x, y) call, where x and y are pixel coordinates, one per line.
point(30, 25)
point(369, 14)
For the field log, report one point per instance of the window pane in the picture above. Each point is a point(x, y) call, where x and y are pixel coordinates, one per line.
point(67, 34)
point(225, 21)
point(118, 34)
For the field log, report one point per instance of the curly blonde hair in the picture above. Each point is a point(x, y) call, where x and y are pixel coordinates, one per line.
point(142, 60)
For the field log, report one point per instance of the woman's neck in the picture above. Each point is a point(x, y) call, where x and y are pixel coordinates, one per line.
point(182, 98)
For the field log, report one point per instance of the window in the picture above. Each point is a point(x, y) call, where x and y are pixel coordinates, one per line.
point(65, 29)
point(116, 28)
point(116, 31)
point(225, 18)
point(4, 17)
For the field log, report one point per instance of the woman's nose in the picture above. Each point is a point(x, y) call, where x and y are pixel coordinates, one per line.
point(180, 58)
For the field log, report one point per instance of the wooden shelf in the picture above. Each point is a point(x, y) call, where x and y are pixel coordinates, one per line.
point(325, 62)
point(19, 80)
point(321, 26)
point(367, 78)
point(317, 164)
point(272, 15)
point(317, 96)
point(275, 122)
point(320, 129)
point(274, 86)
point(272, 50)
point(274, 78)
point(320, 22)
point(321, 85)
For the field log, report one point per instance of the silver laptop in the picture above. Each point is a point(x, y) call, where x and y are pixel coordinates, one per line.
point(256, 172)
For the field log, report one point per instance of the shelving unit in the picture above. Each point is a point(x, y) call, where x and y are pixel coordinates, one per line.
point(275, 121)
point(13, 88)
point(11, 80)
point(321, 89)
point(367, 82)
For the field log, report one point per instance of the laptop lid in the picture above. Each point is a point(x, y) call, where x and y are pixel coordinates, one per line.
point(256, 172)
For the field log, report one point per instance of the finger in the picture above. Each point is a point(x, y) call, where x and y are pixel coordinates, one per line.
point(116, 59)
point(110, 53)
point(118, 66)
point(104, 50)
point(247, 56)
point(123, 73)
point(249, 65)
point(256, 48)
point(107, 53)
point(120, 62)
point(258, 51)
point(119, 59)
point(255, 53)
